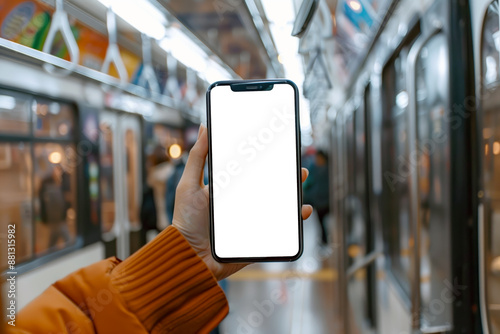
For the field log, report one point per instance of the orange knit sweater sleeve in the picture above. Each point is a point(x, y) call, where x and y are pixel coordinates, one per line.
point(165, 287)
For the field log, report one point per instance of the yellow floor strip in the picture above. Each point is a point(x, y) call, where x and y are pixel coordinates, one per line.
point(262, 275)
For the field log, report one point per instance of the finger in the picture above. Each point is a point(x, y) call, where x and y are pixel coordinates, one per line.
point(305, 174)
point(306, 211)
point(193, 173)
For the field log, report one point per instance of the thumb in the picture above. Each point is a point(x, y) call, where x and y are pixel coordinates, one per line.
point(193, 172)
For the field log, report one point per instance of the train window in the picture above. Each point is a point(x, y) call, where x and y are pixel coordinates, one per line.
point(40, 174)
point(107, 177)
point(491, 46)
point(53, 119)
point(14, 115)
point(490, 172)
point(352, 206)
point(16, 204)
point(395, 155)
point(433, 148)
point(55, 196)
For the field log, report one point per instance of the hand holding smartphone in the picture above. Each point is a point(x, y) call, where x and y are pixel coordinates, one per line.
point(254, 171)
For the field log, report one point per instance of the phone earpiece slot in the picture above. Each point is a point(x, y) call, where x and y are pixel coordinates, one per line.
point(245, 87)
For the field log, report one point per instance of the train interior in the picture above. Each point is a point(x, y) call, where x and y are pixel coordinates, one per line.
point(101, 101)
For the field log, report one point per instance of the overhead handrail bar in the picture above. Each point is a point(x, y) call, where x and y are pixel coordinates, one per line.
point(148, 76)
point(60, 23)
point(113, 52)
point(15, 50)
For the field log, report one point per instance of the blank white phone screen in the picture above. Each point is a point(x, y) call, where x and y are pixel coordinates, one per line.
point(254, 166)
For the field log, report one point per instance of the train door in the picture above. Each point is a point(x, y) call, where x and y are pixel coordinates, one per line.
point(431, 181)
point(338, 186)
point(429, 257)
point(417, 179)
point(488, 53)
point(395, 198)
point(359, 239)
point(121, 158)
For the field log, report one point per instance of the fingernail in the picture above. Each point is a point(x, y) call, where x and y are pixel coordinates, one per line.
point(200, 131)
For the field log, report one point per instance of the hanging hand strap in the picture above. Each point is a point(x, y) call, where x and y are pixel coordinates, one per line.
point(148, 76)
point(60, 23)
point(113, 52)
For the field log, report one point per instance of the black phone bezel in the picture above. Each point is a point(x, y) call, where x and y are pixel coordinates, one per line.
point(242, 86)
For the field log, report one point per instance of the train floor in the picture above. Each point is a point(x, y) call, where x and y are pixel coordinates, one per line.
point(295, 297)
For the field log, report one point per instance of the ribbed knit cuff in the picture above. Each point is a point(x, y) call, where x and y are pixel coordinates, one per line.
point(169, 287)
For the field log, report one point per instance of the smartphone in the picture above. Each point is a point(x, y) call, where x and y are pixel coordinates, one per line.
point(254, 171)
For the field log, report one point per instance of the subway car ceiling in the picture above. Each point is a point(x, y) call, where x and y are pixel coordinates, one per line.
point(129, 51)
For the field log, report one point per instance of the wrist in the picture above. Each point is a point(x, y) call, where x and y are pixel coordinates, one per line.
point(203, 250)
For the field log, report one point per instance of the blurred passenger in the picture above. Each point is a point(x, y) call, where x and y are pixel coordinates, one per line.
point(309, 157)
point(179, 165)
point(172, 182)
point(168, 286)
point(153, 213)
point(54, 204)
point(160, 171)
point(148, 214)
point(316, 192)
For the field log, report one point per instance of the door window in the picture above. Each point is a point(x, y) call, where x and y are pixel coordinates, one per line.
point(490, 172)
point(433, 149)
point(120, 180)
point(395, 168)
point(108, 207)
point(353, 220)
point(133, 158)
point(491, 46)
